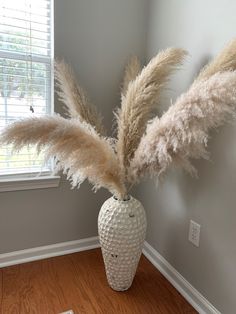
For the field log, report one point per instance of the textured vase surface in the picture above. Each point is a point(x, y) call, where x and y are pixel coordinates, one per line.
point(122, 229)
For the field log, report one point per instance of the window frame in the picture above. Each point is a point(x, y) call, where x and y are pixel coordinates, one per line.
point(34, 180)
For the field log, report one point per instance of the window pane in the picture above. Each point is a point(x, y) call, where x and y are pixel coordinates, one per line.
point(24, 89)
point(25, 74)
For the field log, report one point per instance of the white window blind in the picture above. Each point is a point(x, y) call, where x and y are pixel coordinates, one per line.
point(26, 80)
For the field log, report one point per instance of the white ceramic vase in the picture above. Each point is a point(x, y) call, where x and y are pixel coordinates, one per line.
point(122, 228)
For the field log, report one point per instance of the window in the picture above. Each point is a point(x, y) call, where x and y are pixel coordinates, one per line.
point(26, 76)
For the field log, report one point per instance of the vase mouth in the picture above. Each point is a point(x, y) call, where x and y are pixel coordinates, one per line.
point(125, 199)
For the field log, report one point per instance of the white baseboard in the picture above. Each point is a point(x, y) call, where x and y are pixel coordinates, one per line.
point(195, 298)
point(175, 278)
point(41, 252)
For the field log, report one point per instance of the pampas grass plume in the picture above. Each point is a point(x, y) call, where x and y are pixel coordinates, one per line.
point(182, 132)
point(74, 97)
point(140, 100)
point(225, 61)
point(132, 69)
point(79, 151)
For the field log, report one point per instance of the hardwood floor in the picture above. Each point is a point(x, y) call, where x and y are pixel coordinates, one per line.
point(77, 282)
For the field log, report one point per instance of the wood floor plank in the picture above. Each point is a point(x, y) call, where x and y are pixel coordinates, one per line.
point(78, 282)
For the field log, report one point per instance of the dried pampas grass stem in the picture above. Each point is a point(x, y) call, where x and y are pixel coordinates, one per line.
point(74, 97)
point(225, 61)
point(182, 132)
point(132, 69)
point(140, 100)
point(78, 149)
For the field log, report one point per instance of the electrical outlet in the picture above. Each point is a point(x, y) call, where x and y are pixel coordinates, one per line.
point(194, 233)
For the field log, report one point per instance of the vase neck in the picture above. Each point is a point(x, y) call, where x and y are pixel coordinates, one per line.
point(125, 199)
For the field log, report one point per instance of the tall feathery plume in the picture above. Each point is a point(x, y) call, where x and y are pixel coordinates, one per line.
point(140, 100)
point(224, 61)
point(76, 146)
point(132, 69)
point(74, 97)
point(182, 132)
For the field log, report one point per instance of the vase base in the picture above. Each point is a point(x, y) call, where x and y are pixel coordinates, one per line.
point(119, 289)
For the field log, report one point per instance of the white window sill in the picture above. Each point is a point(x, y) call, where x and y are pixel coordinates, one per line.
point(20, 184)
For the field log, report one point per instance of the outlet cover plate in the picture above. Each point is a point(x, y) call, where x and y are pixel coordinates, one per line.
point(194, 233)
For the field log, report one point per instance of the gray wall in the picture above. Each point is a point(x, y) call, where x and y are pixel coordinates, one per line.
point(203, 28)
point(96, 37)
